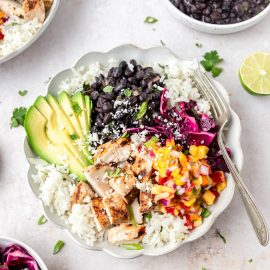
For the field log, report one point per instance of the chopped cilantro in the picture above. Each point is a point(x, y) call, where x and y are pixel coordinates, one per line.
point(23, 92)
point(199, 45)
point(116, 173)
point(76, 107)
point(186, 152)
point(205, 213)
point(162, 42)
point(194, 191)
point(18, 116)
point(148, 216)
point(250, 260)
point(127, 92)
point(108, 89)
point(221, 236)
point(73, 137)
point(86, 86)
point(210, 62)
point(150, 19)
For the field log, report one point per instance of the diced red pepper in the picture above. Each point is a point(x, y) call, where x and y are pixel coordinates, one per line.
point(1, 36)
point(190, 187)
point(170, 210)
point(215, 192)
point(218, 177)
point(162, 180)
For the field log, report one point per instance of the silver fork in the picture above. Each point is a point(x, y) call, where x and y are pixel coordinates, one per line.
point(222, 116)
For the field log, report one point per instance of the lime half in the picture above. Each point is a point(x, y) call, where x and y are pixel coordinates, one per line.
point(254, 73)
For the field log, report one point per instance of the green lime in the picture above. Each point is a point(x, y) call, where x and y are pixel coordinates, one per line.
point(254, 73)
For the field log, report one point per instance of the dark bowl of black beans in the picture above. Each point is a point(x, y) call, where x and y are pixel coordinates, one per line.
point(219, 16)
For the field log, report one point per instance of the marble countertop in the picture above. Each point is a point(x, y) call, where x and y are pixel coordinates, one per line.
point(81, 26)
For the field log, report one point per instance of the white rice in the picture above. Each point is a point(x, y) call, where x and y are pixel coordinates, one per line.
point(82, 223)
point(56, 189)
point(163, 229)
point(17, 32)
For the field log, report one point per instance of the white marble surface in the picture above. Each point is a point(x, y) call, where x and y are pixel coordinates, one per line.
point(81, 26)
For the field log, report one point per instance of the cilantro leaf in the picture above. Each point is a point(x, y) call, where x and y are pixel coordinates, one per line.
point(76, 107)
point(23, 92)
point(150, 19)
point(108, 89)
point(210, 62)
point(18, 116)
point(115, 173)
point(127, 92)
point(73, 137)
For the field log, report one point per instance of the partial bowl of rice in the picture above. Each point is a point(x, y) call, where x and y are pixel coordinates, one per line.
point(123, 155)
point(22, 22)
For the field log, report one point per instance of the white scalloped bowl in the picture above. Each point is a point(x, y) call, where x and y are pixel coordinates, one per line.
point(49, 17)
point(5, 241)
point(148, 56)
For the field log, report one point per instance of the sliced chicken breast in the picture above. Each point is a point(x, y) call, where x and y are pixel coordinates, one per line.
point(83, 192)
point(142, 167)
point(114, 151)
point(97, 176)
point(47, 4)
point(116, 208)
point(11, 7)
point(147, 203)
point(125, 183)
point(34, 9)
point(126, 234)
point(100, 216)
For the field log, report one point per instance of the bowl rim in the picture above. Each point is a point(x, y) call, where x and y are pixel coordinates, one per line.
point(147, 252)
point(45, 24)
point(30, 250)
point(247, 22)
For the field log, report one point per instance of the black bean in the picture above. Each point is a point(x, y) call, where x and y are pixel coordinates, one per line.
point(128, 72)
point(94, 95)
point(107, 118)
point(109, 96)
point(133, 100)
point(107, 107)
point(143, 97)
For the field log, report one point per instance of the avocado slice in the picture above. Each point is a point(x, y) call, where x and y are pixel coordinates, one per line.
point(88, 105)
point(35, 126)
point(56, 129)
point(72, 111)
point(78, 98)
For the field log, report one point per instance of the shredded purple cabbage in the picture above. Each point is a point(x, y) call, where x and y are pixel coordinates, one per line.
point(14, 257)
point(187, 127)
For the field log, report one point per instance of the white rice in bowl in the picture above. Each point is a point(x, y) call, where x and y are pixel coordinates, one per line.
point(17, 32)
point(163, 229)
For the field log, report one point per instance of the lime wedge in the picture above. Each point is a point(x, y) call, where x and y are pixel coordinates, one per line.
point(254, 73)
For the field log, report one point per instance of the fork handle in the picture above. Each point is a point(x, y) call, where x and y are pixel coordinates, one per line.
point(254, 214)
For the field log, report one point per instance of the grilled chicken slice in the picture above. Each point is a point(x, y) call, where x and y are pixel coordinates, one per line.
point(125, 183)
point(142, 167)
point(97, 176)
point(34, 9)
point(82, 192)
point(11, 7)
point(116, 208)
point(100, 216)
point(147, 203)
point(47, 4)
point(126, 234)
point(113, 151)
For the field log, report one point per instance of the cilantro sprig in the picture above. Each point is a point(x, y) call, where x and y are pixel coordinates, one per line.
point(22, 93)
point(150, 19)
point(211, 61)
point(18, 117)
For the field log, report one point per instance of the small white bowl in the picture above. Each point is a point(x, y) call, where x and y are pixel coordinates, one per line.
point(49, 16)
point(5, 241)
point(215, 28)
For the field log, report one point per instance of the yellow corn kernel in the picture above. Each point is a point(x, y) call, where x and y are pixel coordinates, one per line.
point(178, 181)
point(198, 152)
point(157, 189)
point(202, 151)
point(198, 222)
point(209, 197)
point(190, 202)
point(193, 150)
point(222, 186)
point(170, 143)
point(198, 181)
